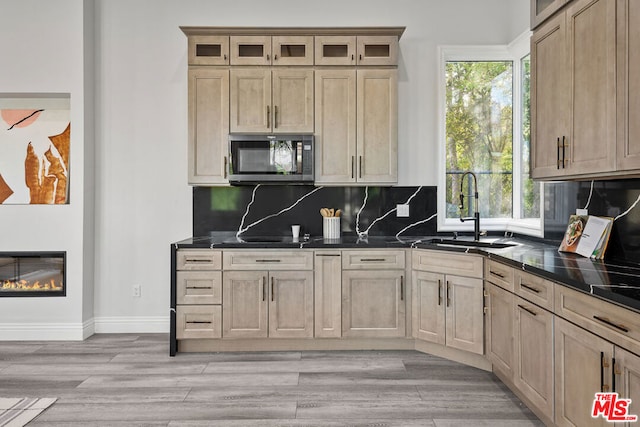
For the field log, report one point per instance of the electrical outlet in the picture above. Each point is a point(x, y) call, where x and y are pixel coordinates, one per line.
point(137, 290)
point(402, 211)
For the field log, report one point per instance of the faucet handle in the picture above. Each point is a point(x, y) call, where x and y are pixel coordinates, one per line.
point(461, 205)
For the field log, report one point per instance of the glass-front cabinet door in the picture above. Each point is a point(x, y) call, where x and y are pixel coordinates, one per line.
point(335, 50)
point(292, 50)
point(250, 50)
point(543, 9)
point(377, 50)
point(208, 50)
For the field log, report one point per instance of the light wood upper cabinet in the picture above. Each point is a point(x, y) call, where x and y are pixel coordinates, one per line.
point(335, 124)
point(574, 109)
point(357, 126)
point(251, 50)
point(208, 50)
point(628, 154)
point(356, 50)
point(377, 125)
point(266, 100)
point(543, 9)
point(272, 50)
point(208, 125)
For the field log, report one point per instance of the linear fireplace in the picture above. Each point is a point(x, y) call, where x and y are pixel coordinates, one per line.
point(31, 274)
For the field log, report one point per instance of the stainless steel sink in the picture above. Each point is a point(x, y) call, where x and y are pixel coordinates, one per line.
point(472, 243)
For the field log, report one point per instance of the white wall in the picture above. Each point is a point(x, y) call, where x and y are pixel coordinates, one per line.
point(42, 53)
point(142, 201)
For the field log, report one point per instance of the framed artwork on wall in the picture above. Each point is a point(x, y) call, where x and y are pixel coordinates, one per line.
point(35, 139)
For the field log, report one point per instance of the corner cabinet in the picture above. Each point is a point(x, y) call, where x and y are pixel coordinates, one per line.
point(448, 299)
point(275, 80)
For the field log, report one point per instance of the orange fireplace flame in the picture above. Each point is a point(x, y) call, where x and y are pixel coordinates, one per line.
point(25, 285)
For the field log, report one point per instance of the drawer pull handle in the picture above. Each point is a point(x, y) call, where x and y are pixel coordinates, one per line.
point(327, 254)
point(198, 287)
point(372, 260)
point(610, 323)
point(198, 322)
point(268, 260)
point(530, 288)
point(528, 310)
point(196, 260)
point(496, 274)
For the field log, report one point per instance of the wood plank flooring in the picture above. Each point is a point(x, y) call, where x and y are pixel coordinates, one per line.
point(130, 380)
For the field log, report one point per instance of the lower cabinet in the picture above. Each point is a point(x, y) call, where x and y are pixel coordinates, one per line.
point(499, 328)
point(626, 371)
point(327, 277)
point(373, 303)
point(533, 368)
point(583, 368)
point(448, 310)
point(259, 304)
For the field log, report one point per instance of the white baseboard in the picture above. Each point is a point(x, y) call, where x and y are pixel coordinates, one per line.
point(131, 325)
point(82, 331)
point(46, 331)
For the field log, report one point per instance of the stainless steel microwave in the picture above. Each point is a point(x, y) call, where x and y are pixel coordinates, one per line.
point(286, 158)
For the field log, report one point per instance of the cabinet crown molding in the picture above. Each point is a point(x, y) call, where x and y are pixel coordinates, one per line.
point(307, 31)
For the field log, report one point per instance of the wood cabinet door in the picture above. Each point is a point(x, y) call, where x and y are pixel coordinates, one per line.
point(335, 50)
point(328, 294)
point(377, 50)
point(628, 155)
point(208, 125)
point(250, 100)
point(377, 126)
point(208, 50)
point(499, 321)
point(533, 371)
point(335, 125)
point(292, 100)
point(543, 9)
point(627, 372)
point(464, 313)
point(373, 303)
point(291, 304)
point(244, 304)
point(582, 368)
point(292, 50)
point(428, 310)
point(591, 34)
point(250, 50)
point(550, 97)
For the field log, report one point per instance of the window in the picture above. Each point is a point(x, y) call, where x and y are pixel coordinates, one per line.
point(485, 130)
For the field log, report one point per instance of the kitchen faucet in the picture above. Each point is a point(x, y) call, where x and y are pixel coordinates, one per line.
point(476, 212)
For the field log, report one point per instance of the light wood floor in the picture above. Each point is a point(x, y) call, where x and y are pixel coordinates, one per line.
point(129, 380)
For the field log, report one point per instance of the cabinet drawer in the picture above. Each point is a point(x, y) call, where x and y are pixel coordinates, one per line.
point(268, 260)
point(499, 274)
point(447, 263)
point(534, 289)
point(198, 259)
point(199, 287)
point(198, 321)
point(613, 323)
point(373, 260)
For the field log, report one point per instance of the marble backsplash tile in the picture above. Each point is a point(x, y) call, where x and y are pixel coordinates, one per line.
point(271, 209)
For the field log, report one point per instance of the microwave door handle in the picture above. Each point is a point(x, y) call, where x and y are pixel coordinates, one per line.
point(299, 148)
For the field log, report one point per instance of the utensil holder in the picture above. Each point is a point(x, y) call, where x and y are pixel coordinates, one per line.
point(331, 227)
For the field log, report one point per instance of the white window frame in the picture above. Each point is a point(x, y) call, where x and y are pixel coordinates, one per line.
point(513, 52)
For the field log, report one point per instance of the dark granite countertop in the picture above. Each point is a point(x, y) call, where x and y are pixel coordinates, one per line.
point(617, 282)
